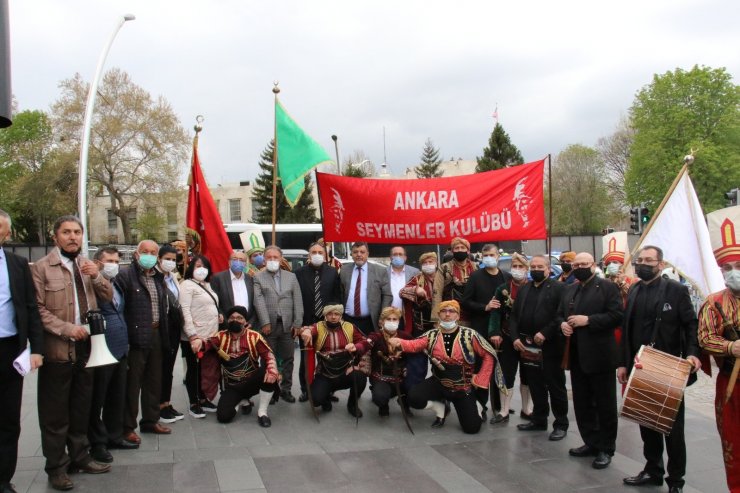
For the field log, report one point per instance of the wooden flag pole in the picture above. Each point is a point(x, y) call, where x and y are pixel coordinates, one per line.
point(275, 91)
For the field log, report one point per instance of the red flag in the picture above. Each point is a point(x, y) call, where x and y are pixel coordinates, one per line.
point(203, 218)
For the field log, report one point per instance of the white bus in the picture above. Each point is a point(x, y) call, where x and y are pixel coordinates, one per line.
point(287, 236)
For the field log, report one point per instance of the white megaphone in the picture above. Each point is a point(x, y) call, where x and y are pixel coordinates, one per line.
point(99, 353)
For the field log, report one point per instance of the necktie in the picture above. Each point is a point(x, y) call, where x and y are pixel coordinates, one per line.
point(81, 296)
point(317, 304)
point(358, 286)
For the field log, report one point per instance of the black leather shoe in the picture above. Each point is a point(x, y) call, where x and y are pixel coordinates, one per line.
point(438, 422)
point(7, 488)
point(675, 489)
point(333, 398)
point(557, 434)
point(384, 411)
point(275, 398)
point(326, 406)
point(524, 415)
point(642, 479)
point(583, 451)
point(287, 396)
point(484, 414)
point(303, 397)
point(247, 409)
point(531, 426)
point(264, 421)
point(601, 461)
point(61, 482)
point(101, 454)
point(123, 445)
point(499, 419)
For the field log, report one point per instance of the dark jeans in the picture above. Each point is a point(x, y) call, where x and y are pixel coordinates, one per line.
point(11, 391)
point(192, 375)
point(64, 396)
point(302, 367)
point(322, 387)
point(417, 366)
point(675, 445)
point(145, 379)
point(595, 405)
point(169, 358)
point(108, 402)
point(382, 392)
point(465, 402)
point(548, 379)
point(283, 345)
point(232, 394)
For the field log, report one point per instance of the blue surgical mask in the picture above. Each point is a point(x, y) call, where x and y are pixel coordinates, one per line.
point(397, 261)
point(490, 262)
point(147, 260)
point(259, 260)
point(237, 266)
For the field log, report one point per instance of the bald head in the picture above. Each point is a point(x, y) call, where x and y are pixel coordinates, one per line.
point(148, 246)
point(583, 258)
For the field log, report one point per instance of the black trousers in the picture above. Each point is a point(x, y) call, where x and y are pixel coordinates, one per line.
point(302, 367)
point(365, 324)
point(108, 402)
point(382, 392)
point(232, 394)
point(595, 405)
point(465, 402)
point(192, 375)
point(675, 445)
point(64, 397)
point(548, 378)
point(169, 358)
point(11, 391)
point(322, 387)
point(144, 379)
point(417, 367)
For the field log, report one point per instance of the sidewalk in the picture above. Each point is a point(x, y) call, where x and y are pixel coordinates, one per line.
point(297, 454)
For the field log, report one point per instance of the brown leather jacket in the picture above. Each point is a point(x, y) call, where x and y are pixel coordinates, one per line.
point(56, 299)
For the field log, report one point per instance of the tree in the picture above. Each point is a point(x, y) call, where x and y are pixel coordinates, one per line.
point(137, 145)
point(304, 211)
point(678, 111)
point(358, 165)
point(580, 194)
point(614, 152)
point(500, 152)
point(430, 161)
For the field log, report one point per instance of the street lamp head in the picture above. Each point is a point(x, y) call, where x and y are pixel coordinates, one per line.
point(334, 138)
point(129, 17)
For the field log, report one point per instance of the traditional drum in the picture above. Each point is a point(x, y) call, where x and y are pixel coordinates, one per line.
point(655, 391)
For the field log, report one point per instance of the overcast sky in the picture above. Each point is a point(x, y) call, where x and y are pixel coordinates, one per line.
point(561, 72)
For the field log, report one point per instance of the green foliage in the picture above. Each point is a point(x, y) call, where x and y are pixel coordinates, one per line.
point(151, 224)
point(430, 161)
point(304, 211)
point(500, 152)
point(682, 110)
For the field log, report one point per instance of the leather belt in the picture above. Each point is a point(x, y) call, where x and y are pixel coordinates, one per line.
point(155, 325)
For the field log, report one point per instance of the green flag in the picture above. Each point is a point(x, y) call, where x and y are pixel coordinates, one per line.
point(297, 154)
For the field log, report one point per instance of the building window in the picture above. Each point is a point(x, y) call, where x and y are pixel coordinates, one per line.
point(171, 236)
point(131, 214)
point(112, 221)
point(172, 215)
point(235, 210)
point(256, 208)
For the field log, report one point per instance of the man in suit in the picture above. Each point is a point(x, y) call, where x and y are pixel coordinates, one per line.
point(659, 311)
point(319, 283)
point(364, 299)
point(279, 307)
point(590, 310)
point(399, 274)
point(20, 323)
point(233, 286)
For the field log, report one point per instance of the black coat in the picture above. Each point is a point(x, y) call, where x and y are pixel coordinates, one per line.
point(478, 292)
point(221, 285)
point(595, 345)
point(330, 289)
point(677, 329)
point(138, 306)
point(23, 293)
point(545, 311)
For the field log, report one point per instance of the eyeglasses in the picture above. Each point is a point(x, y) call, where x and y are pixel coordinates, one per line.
point(646, 261)
point(581, 265)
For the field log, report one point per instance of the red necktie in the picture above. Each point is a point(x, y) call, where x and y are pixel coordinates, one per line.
point(358, 286)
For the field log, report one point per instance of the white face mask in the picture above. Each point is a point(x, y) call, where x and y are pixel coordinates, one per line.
point(168, 265)
point(518, 274)
point(448, 325)
point(317, 259)
point(110, 270)
point(200, 273)
point(429, 268)
point(612, 269)
point(732, 279)
point(390, 326)
point(490, 262)
point(273, 265)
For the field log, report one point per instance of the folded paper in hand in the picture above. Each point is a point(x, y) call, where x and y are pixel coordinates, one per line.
point(22, 363)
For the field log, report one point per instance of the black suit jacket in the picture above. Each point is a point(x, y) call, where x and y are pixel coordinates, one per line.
point(600, 301)
point(221, 285)
point(545, 310)
point(23, 293)
point(677, 329)
point(329, 287)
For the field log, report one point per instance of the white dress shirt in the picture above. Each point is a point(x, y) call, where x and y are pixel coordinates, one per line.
point(398, 281)
point(239, 288)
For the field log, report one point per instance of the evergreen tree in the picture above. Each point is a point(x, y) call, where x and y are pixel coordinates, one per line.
point(304, 211)
point(500, 152)
point(430, 160)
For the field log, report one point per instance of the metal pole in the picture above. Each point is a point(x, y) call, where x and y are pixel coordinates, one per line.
point(276, 91)
point(549, 194)
point(84, 147)
point(336, 151)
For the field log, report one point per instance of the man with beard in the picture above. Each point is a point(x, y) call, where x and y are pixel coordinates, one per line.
point(452, 276)
point(589, 311)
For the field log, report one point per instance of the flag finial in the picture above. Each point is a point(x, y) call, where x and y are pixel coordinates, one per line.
point(688, 159)
point(275, 89)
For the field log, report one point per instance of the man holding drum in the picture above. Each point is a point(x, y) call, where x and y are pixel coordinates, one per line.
point(658, 313)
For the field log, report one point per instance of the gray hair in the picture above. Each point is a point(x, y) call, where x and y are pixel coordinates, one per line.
point(543, 257)
point(273, 247)
point(6, 216)
point(488, 247)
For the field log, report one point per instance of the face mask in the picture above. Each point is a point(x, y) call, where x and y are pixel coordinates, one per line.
point(612, 269)
point(645, 272)
point(448, 325)
point(317, 259)
point(235, 326)
point(333, 325)
point(490, 262)
point(178, 258)
point(273, 265)
point(397, 261)
point(460, 256)
point(71, 255)
point(732, 279)
point(147, 261)
point(259, 260)
point(168, 265)
point(429, 268)
point(582, 273)
point(237, 266)
point(566, 268)
point(518, 274)
point(200, 273)
point(537, 275)
point(390, 326)
point(110, 270)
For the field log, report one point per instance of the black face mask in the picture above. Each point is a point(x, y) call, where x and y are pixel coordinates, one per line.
point(582, 273)
point(537, 275)
point(566, 267)
point(178, 258)
point(460, 256)
point(645, 272)
point(69, 255)
point(235, 326)
point(333, 325)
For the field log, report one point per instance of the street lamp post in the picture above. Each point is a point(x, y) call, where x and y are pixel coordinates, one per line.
point(84, 146)
point(336, 150)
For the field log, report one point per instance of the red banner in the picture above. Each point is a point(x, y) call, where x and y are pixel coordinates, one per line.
point(505, 204)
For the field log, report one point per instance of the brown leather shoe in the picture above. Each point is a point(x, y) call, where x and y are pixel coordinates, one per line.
point(91, 467)
point(61, 482)
point(157, 429)
point(132, 437)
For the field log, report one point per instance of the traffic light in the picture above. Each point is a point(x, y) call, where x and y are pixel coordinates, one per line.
point(635, 219)
point(644, 217)
point(731, 197)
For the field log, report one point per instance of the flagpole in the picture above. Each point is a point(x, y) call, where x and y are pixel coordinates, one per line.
point(275, 91)
point(549, 195)
point(321, 209)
